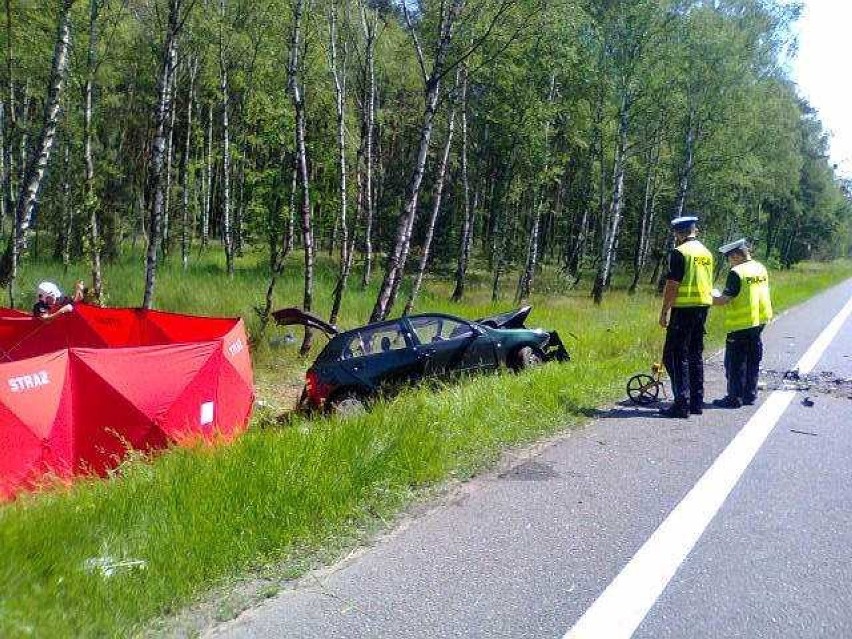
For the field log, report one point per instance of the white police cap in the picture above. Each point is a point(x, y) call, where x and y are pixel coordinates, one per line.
point(684, 221)
point(741, 244)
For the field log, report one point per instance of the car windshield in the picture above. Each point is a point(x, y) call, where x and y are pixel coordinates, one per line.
point(372, 341)
point(434, 328)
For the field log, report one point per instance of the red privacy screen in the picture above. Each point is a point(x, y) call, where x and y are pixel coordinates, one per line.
point(80, 390)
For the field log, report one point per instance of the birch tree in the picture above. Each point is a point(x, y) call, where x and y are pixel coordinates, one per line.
point(90, 199)
point(338, 75)
point(369, 24)
point(296, 91)
point(36, 167)
point(629, 32)
point(646, 220)
point(4, 167)
point(170, 152)
point(227, 234)
point(8, 186)
point(437, 198)
point(525, 282)
point(466, 239)
point(158, 148)
point(208, 179)
point(185, 164)
point(432, 86)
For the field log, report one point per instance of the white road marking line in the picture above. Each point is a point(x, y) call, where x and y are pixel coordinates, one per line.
point(623, 605)
point(619, 610)
point(810, 359)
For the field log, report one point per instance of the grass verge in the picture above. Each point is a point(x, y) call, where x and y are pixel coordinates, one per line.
point(198, 517)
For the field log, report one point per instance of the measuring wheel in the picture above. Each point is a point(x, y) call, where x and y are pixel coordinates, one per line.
point(643, 389)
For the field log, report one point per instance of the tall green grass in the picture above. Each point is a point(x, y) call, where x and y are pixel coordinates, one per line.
point(200, 517)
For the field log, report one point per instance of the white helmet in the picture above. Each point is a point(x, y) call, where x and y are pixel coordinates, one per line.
point(49, 289)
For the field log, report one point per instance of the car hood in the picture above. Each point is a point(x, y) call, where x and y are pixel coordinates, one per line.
point(296, 316)
point(511, 319)
point(537, 334)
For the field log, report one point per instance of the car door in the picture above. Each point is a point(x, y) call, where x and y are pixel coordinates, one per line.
point(450, 346)
point(382, 356)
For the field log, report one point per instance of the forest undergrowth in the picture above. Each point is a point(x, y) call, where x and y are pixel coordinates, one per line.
point(204, 517)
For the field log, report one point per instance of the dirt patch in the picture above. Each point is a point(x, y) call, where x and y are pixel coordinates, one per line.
point(277, 393)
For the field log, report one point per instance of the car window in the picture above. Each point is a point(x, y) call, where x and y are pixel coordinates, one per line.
point(431, 329)
point(373, 341)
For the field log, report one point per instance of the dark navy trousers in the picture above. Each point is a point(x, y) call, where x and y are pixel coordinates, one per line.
point(743, 352)
point(683, 355)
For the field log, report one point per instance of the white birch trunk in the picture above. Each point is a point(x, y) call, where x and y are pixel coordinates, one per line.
point(7, 193)
point(67, 213)
point(208, 180)
point(613, 220)
point(467, 225)
point(187, 147)
point(226, 154)
point(161, 122)
point(525, 282)
point(688, 162)
point(294, 86)
point(432, 85)
point(91, 203)
point(290, 238)
point(36, 168)
point(646, 222)
point(437, 197)
point(339, 78)
point(4, 171)
point(170, 151)
point(23, 143)
point(369, 24)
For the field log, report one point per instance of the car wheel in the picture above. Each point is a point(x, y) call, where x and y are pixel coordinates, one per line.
point(347, 404)
point(526, 357)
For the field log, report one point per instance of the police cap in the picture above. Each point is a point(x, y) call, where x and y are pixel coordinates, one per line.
point(683, 222)
point(741, 244)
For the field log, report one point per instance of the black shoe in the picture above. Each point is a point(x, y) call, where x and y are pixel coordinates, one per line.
point(749, 401)
point(696, 410)
point(679, 412)
point(728, 402)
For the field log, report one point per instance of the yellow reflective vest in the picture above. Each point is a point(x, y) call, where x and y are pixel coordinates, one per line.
point(752, 307)
point(697, 283)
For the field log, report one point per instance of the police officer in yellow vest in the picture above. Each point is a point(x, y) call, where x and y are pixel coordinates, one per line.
point(686, 300)
point(748, 310)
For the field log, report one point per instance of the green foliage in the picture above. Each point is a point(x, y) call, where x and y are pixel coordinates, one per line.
point(546, 81)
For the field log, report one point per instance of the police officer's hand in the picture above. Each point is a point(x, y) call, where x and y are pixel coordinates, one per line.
point(664, 319)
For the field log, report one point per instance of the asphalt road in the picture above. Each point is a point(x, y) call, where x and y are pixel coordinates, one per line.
point(526, 551)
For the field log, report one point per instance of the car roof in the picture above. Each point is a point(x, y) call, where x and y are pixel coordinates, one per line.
point(397, 320)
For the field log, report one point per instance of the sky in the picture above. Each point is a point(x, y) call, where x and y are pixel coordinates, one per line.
point(823, 73)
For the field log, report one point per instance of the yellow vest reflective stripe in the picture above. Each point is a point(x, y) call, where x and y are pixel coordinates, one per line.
point(697, 283)
point(752, 307)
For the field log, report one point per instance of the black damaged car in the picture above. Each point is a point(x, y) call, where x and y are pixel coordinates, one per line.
point(357, 365)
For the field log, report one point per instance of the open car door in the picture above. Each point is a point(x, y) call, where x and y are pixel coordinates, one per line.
point(298, 317)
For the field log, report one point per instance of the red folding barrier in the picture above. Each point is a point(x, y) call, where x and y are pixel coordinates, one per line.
point(80, 390)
